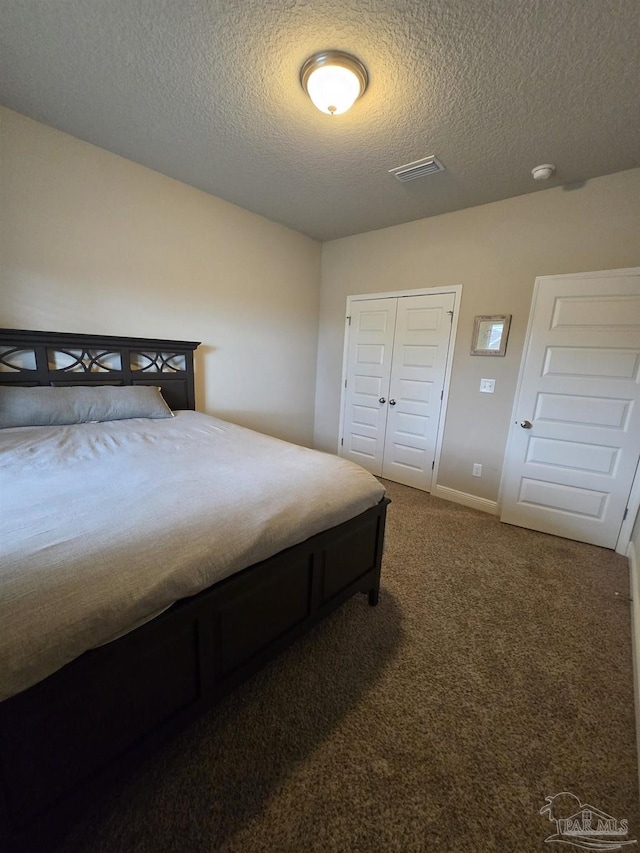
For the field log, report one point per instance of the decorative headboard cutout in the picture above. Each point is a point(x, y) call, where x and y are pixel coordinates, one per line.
point(31, 358)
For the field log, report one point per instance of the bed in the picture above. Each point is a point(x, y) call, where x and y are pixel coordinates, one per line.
point(92, 689)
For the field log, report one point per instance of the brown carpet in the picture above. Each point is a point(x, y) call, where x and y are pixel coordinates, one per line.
point(495, 671)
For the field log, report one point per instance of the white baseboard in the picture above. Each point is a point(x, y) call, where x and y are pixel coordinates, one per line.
point(463, 498)
point(634, 577)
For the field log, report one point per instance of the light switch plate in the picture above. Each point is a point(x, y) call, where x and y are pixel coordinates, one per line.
point(487, 386)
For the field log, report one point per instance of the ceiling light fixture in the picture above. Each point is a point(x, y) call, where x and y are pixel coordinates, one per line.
point(544, 172)
point(334, 80)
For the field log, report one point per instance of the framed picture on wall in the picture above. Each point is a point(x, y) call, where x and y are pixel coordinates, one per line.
point(490, 333)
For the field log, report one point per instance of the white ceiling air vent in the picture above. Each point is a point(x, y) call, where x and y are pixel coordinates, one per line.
point(428, 166)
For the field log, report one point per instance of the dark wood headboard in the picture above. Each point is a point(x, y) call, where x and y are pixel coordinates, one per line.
point(63, 358)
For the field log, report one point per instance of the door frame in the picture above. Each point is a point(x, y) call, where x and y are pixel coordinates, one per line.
point(633, 507)
point(633, 501)
point(456, 290)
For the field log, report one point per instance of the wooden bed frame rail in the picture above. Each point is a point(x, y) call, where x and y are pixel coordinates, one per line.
point(62, 739)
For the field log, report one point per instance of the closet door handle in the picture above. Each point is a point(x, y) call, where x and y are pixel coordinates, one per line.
point(382, 400)
point(392, 402)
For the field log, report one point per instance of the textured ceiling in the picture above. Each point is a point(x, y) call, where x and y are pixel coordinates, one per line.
point(207, 91)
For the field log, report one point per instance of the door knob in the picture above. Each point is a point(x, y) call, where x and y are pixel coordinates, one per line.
point(392, 402)
point(382, 400)
point(526, 424)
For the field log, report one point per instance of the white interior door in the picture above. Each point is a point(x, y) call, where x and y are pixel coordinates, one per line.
point(575, 439)
point(369, 356)
point(421, 346)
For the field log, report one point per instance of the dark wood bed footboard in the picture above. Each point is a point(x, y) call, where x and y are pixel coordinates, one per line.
point(62, 740)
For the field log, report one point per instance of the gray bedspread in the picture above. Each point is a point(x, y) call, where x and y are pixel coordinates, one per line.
point(104, 525)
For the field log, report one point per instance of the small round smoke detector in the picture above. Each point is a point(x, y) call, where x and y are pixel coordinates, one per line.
point(544, 172)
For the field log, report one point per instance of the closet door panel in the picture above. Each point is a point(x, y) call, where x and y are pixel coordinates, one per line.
point(421, 345)
point(371, 337)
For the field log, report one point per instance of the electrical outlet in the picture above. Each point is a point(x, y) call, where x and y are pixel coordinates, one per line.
point(487, 386)
point(477, 469)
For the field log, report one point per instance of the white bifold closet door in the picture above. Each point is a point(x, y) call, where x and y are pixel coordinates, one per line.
point(371, 334)
point(397, 359)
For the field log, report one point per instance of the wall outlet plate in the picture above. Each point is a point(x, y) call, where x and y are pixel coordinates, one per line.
point(487, 386)
point(477, 469)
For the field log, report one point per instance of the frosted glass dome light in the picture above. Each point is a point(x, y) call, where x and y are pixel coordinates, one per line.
point(333, 80)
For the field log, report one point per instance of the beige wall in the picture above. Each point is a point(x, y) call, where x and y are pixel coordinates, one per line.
point(495, 251)
point(91, 242)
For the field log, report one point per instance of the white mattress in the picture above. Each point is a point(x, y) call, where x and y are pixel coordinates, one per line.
point(104, 525)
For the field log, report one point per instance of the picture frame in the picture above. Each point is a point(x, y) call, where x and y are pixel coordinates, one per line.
point(490, 334)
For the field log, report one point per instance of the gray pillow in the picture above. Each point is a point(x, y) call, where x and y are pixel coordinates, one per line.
point(45, 406)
